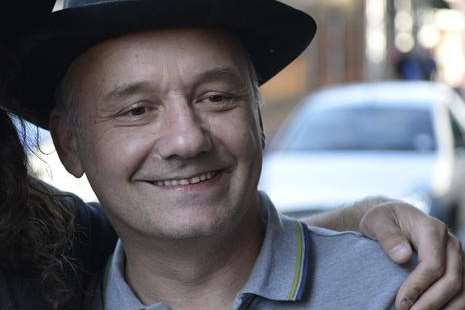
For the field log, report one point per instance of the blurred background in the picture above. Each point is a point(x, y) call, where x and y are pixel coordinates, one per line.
point(337, 131)
point(367, 40)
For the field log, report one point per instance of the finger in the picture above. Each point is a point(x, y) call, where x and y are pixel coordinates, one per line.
point(431, 247)
point(397, 247)
point(458, 303)
point(387, 233)
point(450, 284)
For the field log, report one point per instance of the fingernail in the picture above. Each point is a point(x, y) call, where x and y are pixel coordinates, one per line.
point(406, 303)
point(400, 251)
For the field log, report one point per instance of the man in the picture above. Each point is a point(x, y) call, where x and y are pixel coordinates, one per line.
point(166, 125)
point(181, 191)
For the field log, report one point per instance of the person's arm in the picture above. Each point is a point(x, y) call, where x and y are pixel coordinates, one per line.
point(346, 218)
point(398, 226)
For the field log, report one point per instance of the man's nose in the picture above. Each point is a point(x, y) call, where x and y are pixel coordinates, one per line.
point(186, 136)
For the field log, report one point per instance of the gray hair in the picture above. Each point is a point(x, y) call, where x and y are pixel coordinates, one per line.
point(66, 99)
point(256, 96)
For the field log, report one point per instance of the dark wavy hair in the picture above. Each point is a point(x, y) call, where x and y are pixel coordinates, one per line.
point(37, 223)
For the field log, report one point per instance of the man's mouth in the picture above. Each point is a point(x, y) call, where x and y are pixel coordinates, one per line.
point(206, 176)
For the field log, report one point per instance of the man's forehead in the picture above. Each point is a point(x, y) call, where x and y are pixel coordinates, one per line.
point(169, 37)
point(169, 43)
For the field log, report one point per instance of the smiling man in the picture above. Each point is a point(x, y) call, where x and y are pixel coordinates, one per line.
point(168, 133)
point(161, 112)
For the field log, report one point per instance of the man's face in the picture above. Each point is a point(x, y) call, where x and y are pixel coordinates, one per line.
point(168, 133)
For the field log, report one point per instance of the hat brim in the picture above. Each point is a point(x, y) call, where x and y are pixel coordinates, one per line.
point(273, 34)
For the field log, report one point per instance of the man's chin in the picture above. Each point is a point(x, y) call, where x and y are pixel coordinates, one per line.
point(193, 224)
point(190, 232)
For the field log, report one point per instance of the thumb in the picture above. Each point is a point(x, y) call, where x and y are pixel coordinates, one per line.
point(396, 247)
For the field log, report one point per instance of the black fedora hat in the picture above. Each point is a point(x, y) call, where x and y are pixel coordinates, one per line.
point(15, 20)
point(273, 34)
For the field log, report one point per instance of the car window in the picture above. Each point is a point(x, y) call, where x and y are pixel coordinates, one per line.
point(360, 128)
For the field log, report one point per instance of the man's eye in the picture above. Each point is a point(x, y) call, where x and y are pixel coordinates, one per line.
point(137, 111)
point(217, 98)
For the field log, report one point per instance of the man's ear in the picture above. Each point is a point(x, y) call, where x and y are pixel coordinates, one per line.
point(65, 140)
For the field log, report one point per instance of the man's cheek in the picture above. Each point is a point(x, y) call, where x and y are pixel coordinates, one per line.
point(247, 144)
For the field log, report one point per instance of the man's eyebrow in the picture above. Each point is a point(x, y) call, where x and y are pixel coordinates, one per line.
point(223, 74)
point(128, 89)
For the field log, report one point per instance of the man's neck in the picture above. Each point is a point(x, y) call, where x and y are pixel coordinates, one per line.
point(201, 274)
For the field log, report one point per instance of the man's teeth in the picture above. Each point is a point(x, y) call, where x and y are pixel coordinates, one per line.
point(194, 180)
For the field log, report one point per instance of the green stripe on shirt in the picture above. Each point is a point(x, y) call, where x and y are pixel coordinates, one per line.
point(298, 262)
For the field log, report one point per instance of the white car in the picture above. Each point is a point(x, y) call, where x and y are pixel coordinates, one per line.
point(399, 139)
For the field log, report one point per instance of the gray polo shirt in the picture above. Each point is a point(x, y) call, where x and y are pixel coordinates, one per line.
point(298, 267)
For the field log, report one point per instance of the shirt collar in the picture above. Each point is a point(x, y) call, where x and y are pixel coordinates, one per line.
point(280, 270)
point(117, 293)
